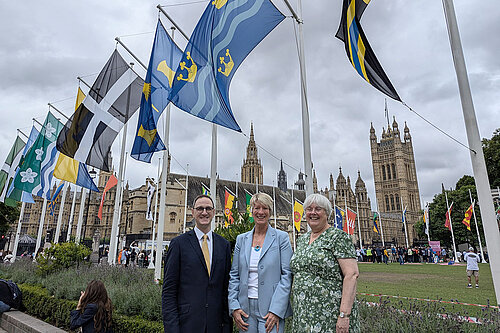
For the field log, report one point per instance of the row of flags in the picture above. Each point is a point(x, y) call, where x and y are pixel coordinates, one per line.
point(467, 216)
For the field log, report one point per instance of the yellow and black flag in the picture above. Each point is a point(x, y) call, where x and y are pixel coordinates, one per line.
point(358, 50)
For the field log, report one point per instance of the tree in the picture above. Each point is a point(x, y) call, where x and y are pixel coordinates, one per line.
point(8, 215)
point(491, 150)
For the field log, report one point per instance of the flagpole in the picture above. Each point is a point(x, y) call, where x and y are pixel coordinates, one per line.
point(213, 172)
point(151, 265)
point(18, 231)
point(485, 200)
point(274, 206)
point(68, 233)
point(427, 222)
point(40, 227)
point(237, 190)
point(80, 216)
point(346, 218)
point(381, 228)
point(404, 222)
point(359, 227)
point(186, 197)
point(61, 210)
point(477, 228)
point(451, 227)
point(293, 219)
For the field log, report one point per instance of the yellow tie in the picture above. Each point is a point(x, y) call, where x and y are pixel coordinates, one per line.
point(206, 254)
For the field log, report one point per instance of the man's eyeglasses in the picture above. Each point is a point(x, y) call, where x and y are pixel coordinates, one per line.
point(201, 209)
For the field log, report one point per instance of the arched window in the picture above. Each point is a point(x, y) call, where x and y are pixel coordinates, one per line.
point(387, 207)
point(398, 202)
point(388, 171)
point(173, 215)
point(383, 172)
point(393, 171)
point(392, 203)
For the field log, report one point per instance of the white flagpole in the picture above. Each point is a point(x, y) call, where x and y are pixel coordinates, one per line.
point(213, 173)
point(477, 228)
point(293, 220)
point(485, 200)
point(359, 226)
point(404, 222)
point(381, 228)
point(80, 216)
point(40, 227)
point(237, 199)
point(68, 234)
point(274, 206)
point(151, 264)
point(61, 211)
point(18, 231)
point(451, 227)
point(186, 198)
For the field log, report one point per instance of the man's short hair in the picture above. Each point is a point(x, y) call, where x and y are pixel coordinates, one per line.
point(203, 196)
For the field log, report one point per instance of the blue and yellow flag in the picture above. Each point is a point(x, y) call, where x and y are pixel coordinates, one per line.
point(376, 222)
point(55, 198)
point(226, 33)
point(165, 57)
point(339, 218)
point(358, 50)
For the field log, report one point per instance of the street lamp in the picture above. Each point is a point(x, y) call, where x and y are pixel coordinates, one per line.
point(92, 174)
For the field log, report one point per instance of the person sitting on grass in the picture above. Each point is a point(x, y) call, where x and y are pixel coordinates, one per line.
point(94, 310)
point(472, 259)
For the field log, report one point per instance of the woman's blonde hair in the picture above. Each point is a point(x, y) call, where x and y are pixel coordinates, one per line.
point(264, 199)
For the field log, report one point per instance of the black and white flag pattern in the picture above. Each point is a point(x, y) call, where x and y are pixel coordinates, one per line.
point(149, 211)
point(114, 97)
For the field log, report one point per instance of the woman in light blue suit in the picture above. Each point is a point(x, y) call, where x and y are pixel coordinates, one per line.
point(260, 277)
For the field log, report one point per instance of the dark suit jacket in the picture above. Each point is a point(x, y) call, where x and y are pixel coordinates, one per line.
point(193, 302)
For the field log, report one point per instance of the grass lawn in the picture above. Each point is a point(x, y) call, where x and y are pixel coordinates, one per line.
point(429, 281)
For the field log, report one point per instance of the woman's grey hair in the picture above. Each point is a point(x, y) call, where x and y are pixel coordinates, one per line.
point(264, 199)
point(319, 200)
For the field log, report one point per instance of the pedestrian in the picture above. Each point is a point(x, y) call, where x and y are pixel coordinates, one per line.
point(472, 259)
point(369, 254)
point(385, 256)
point(124, 257)
point(378, 253)
point(9, 258)
point(401, 253)
point(133, 257)
point(94, 310)
point(196, 277)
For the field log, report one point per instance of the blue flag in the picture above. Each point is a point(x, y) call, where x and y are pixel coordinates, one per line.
point(226, 33)
point(55, 197)
point(339, 218)
point(157, 86)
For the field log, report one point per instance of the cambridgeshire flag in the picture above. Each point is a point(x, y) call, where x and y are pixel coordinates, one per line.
point(9, 167)
point(55, 198)
point(468, 215)
point(165, 58)
point(228, 205)
point(358, 50)
point(88, 135)
point(376, 222)
point(112, 181)
point(226, 33)
point(339, 218)
point(71, 170)
point(447, 222)
point(298, 212)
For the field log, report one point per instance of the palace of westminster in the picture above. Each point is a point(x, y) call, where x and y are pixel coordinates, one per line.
point(394, 173)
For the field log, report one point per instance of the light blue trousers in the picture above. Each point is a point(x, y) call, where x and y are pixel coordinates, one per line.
point(256, 324)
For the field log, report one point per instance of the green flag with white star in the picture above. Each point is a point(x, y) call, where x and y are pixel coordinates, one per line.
point(10, 165)
point(35, 172)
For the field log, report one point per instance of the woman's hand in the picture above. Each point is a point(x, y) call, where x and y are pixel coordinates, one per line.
point(271, 320)
point(237, 314)
point(342, 325)
point(79, 306)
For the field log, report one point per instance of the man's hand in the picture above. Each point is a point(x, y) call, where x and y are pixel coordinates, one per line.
point(237, 314)
point(271, 320)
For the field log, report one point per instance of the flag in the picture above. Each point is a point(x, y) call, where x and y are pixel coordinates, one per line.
point(298, 212)
point(248, 196)
point(112, 181)
point(205, 190)
point(339, 218)
point(376, 222)
point(165, 57)
point(468, 215)
point(351, 219)
point(149, 210)
point(228, 205)
point(71, 170)
point(447, 222)
point(403, 217)
point(426, 220)
point(35, 173)
point(113, 99)
point(13, 194)
point(9, 167)
point(55, 198)
point(226, 33)
point(358, 49)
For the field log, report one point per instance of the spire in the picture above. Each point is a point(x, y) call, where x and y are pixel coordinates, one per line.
point(282, 183)
point(315, 182)
point(251, 131)
point(332, 187)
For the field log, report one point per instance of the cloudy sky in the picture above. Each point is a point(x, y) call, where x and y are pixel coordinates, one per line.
point(45, 45)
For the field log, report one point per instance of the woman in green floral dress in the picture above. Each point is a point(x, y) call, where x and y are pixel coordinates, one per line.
point(325, 272)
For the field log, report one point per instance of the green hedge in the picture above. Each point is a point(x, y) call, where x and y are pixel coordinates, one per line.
point(55, 311)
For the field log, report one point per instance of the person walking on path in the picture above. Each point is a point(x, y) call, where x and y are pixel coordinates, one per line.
point(472, 259)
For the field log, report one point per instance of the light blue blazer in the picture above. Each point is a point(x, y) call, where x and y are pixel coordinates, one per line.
point(275, 276)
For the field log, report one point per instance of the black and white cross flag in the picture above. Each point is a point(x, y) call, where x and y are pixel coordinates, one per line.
point(149, 211)
point(114, 97)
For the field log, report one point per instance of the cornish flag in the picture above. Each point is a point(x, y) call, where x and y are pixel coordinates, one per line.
point(113, 99)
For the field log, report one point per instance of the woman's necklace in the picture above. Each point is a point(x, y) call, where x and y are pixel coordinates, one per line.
point(257, 248)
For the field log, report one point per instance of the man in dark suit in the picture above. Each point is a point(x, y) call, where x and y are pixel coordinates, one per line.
point(196, 277)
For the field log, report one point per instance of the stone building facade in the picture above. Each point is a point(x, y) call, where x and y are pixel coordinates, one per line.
point(251, 170)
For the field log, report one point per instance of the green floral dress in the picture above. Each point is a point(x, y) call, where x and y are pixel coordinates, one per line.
point(317, 282)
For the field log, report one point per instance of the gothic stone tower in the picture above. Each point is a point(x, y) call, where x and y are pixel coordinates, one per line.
point(282, 179)
point(251, 171)
point(396, 185)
